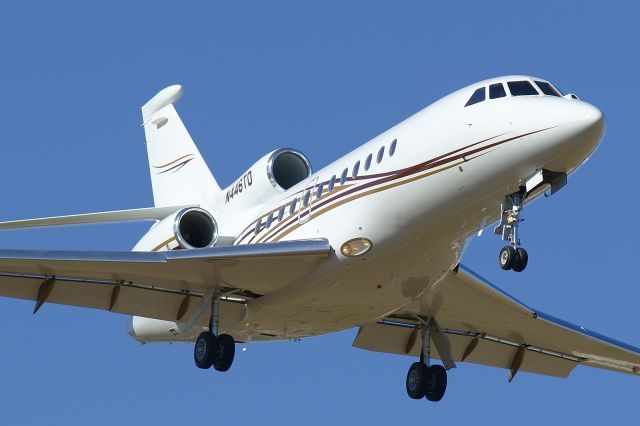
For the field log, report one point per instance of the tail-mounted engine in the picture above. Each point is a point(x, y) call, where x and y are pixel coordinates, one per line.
point(189, 228)
point(195, 228)
point(268, 177)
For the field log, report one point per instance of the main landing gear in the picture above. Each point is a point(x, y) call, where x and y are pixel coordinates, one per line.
point(211, 348)
point(424, 380)
point(513, 256)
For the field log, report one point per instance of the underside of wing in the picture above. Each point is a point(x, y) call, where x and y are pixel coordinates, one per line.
point(161, 285)
point(486, 326)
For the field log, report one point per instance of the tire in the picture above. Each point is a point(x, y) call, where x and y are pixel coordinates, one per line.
point(204, 350)
point(522, 258)
point(226, 350)
point(417, 380)
point(507, 257)
point(437, 383)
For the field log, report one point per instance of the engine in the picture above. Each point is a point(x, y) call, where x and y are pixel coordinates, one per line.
point(189, 228)
point(268, 177)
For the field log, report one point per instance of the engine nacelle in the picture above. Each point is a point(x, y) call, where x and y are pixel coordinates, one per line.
point(268, 177)
point(189, 228)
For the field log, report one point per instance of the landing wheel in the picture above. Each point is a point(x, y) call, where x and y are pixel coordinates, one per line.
point(225, 351)
point(417, 380)
point(507, 257)
point(205, 350)
point(437, 384)
point(522, 258)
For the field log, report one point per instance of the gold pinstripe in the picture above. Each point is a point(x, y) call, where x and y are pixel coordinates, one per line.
point(164, 243)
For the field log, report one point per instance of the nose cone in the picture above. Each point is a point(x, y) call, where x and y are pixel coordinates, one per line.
point(578, 131)
point(588, 118)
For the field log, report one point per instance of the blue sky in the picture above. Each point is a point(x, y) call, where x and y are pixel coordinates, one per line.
point(322, 78)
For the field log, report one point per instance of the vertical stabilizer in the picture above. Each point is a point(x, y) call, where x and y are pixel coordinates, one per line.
point(179, 175)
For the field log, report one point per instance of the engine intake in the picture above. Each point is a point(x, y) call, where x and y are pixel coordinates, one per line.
point(287, 167)
point(194, 227)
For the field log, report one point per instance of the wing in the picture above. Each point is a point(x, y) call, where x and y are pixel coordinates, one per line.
point(486, 326)
point(155, 284)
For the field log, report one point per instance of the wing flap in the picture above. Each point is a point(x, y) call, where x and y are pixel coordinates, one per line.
point(130, 299)
point(381, 337)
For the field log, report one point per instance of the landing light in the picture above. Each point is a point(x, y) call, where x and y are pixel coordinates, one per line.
point(356, 247)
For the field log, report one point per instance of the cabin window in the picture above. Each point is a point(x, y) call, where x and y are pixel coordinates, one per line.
point(306, 199)
point(258, 225)
point(367, 162)
point(269, 220)
point(392, 148)
point(521, 88)
point(292, 208)
point(478, 96)
point(380, 155)
point(332, 183)
point(319, 190)
point(281, 213)
point(356, 169)
point(343, 177)
point(497, 91)
point(546, 88)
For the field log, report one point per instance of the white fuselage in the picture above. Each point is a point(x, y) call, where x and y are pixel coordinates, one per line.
point(444, 179)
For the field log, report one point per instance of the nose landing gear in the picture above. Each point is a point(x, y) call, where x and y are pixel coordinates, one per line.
point(512, 257)
point(212, 349)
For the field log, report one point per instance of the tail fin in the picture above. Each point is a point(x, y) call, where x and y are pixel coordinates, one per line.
point(179, 175)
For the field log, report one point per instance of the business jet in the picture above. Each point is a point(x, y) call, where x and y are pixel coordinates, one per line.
point(373, 241)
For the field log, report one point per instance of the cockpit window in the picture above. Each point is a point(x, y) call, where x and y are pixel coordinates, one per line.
point(478, 96)
point(521, 88)
point(546, 88)
point(497, 91)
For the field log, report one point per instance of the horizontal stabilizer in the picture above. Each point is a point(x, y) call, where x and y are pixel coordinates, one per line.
point(149, 213)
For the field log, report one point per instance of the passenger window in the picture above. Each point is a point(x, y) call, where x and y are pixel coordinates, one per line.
point(269, 220)
point(380, 155)
point(292, 209)
point(281, 213)
point(392, 148)
point(306, 199)
point(521, 88)
point(332, 183)
point(478, 96)
point(356, 168)
point(343, 177)
point(367, 162)
point(319, 190)
point(497, 91)
point(258, 225)
point(547, 89)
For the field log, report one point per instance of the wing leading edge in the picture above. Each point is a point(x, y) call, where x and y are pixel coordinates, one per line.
point(487, 326)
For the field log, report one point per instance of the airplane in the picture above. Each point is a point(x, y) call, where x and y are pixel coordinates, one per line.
point(373, 240)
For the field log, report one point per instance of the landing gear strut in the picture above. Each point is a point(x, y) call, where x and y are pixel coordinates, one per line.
point(211, 348)
point(513, 256)
point(423, 380)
